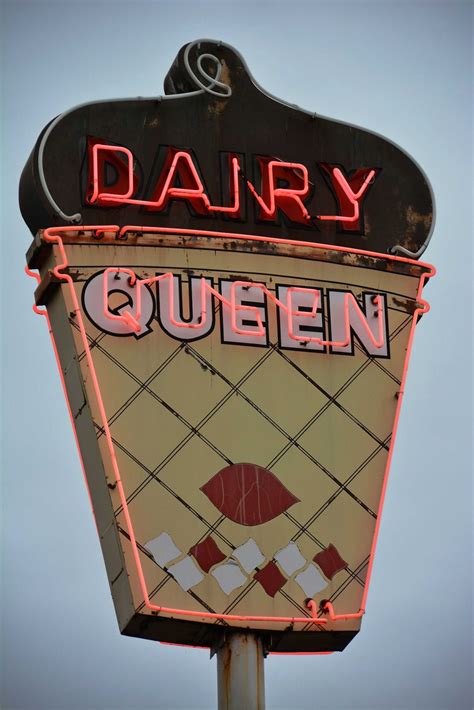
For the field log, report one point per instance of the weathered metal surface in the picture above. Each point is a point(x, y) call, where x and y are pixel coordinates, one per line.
point(249, 123)
point(235, 500)
point(38, 249)
point(202, 371)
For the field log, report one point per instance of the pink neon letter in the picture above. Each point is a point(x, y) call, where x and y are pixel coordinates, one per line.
point(302, 319)
point(350, 193)
point(98, 196)
point(191, 189)
point(346, 317)
point(200, 321)
point(243, 313)
point(288, 199)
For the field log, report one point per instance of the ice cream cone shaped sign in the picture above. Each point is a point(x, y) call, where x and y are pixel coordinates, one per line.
point(232, 286)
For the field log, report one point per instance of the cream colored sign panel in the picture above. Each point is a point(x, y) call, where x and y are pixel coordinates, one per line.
point(244, 438)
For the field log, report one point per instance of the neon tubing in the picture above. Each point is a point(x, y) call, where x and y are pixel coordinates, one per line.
point(348, 297)
point(76, 218)
point(328, 608)
point(51, 235)
point(287, 307)
point(44, 312)
point(134, 321)
point(184, 193)
point(291, 193)
point(213, 81)
point(235, 208)
point(168, 191)
point(122, 231)
point(353, 197)
point(124, 317)
point(95, 173)
point(198, 192)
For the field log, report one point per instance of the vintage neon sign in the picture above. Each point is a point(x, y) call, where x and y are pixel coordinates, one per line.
point(285, 237)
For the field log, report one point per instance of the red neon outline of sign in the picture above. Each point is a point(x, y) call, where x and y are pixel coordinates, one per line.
point(44, 312)
point(96, 195)
point(51, 235)
point(353, 197)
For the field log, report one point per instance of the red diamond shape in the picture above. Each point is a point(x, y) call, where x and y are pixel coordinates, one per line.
point(270, 578)
point(207, 553)
point(330, 561)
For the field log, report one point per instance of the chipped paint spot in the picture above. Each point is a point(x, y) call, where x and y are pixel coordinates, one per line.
point(218, 106)
point(406, 304)
point(414, 218)
point(225, 73)
point(415, 222)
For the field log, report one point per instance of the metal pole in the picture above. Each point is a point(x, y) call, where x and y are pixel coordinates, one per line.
point(240, 675)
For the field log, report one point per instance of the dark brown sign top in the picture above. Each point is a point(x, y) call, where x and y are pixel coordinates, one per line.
point(218, 154)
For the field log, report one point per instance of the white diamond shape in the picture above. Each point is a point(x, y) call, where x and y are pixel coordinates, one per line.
point(290, 558)
point(163, 549)
point(249, 555)
point(186, 573)
point(311, 581)
point(229, 576)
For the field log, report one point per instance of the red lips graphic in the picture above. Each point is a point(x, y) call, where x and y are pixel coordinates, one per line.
point(248, 494)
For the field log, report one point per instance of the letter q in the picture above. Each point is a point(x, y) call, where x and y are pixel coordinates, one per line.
point(102, 303)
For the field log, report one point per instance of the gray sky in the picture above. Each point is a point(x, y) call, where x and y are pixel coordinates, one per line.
point(401, 69)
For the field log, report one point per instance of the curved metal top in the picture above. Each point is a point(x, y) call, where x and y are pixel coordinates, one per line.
point(214, 81)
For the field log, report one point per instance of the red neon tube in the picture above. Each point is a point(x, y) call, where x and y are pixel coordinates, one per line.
point(167, 190)
point(95, 172)
point(353, 197)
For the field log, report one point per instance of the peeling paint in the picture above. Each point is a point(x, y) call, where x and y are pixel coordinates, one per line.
point(406, 304)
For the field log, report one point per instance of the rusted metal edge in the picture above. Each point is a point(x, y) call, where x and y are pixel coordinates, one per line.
point(49, 283)
point(37, 252)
